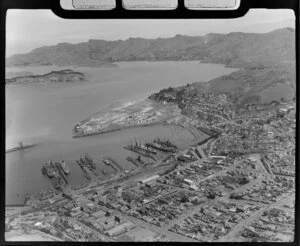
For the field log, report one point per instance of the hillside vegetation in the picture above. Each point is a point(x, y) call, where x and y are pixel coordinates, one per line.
point(234, 49)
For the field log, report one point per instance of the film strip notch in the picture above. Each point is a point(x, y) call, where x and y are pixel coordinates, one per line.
point(149, 4)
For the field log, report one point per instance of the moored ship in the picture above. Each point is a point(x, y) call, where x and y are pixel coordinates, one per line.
point(49, 169)
point(64, 167)
point(20, 147)
point(165, 146)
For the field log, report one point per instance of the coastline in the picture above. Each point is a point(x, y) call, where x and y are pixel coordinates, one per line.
point(78, 135)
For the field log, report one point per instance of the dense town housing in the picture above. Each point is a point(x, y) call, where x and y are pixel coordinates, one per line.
point(237, 184)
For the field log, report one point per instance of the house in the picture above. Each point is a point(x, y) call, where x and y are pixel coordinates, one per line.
point(188, 181)
point(143, 181)
point(99, 214)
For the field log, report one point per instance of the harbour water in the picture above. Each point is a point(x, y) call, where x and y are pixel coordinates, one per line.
point(45, 114)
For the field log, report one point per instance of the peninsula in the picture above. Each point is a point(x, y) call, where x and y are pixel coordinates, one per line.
point(66, 75)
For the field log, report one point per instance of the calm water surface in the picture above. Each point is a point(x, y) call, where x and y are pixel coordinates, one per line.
point(46, 113)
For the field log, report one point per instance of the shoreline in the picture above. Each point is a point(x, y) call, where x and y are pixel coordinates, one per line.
point(79, 135)
point(127, 114)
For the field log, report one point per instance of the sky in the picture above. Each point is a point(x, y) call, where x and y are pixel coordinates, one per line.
point(30, 29)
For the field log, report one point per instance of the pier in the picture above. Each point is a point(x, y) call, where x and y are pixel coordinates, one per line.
point(85, 170)
point(133, 161)
point(136, 161)
point(139, 151)
point(113, 164)
point(59, 168)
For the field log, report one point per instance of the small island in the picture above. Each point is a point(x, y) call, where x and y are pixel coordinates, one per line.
point(66, 75)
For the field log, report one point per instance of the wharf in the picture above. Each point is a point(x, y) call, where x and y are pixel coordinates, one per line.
point(85, 170)
point(79, 164)
point(137, 162)
point(133, 161)
point(139, 151)
point(111, 129)
point(154, 146)
point(113, 164)
point(108, 162)
point(59, 168)
point(85, 134)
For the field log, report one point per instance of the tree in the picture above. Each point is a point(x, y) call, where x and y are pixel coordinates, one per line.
point(59, 234)
point(184, 198)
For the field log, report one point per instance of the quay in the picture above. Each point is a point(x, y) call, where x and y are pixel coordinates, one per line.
point(111, 163)
point(20, 147)
point(137, 162)
point(85, 170)
point(59, 168)
point(139, 151)
point(133, 161)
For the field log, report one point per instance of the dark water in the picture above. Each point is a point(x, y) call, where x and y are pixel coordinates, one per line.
point(46, 113)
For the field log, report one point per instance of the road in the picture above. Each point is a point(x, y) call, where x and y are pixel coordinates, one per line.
point(244, 223)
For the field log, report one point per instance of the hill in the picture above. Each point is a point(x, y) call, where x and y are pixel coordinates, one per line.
point(234, 49)
point(255, 85)
point(245, 86)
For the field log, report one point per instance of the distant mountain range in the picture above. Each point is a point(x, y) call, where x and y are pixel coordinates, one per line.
point(235, 49)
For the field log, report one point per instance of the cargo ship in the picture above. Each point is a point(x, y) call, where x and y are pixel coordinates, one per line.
point(165, 146)
point(49, 169)
point(61, 172)
point(84, 168)
point(144, 151)
point(64, 167)
point(54, 171)
point(114, 165)
point(89, 161)
point(146, 148)
point(57, 182)
point(20, 147)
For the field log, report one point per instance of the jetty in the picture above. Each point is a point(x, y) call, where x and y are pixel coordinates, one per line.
point(110, 162)
point(84, 169)
point(164, 146)
point(140, 150)
point(136, 161)
point(61, 172)
point(55, 172)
